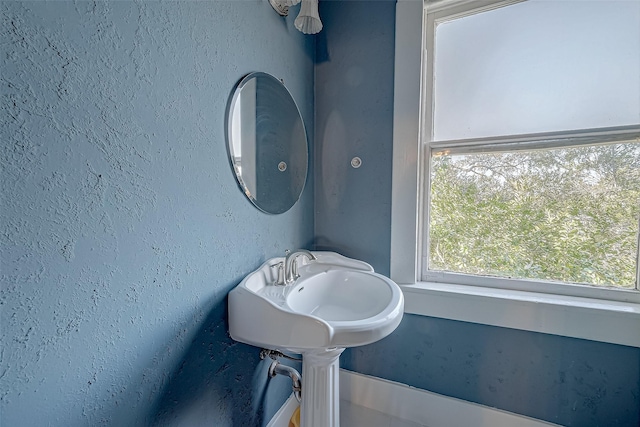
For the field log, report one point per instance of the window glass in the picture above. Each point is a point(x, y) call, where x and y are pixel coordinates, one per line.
point(537, 66)
point(567, 214)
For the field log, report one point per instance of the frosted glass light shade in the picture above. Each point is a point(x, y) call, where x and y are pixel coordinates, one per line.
point(308, 20)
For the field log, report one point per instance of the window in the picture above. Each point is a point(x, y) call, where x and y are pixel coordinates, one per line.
point(487, 142)
point(566, 214)
point(532, 144)
point(535, 66)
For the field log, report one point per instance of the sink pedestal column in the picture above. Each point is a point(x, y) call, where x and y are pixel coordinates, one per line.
point(320, 405)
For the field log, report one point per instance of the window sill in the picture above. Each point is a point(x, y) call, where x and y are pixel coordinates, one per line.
point(585, 318)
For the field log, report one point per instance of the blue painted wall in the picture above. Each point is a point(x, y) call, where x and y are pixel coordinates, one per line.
point(354, 117)
point(123, 228)
point(567, 381)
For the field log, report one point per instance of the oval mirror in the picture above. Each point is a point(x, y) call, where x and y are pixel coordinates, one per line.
point(267, 143)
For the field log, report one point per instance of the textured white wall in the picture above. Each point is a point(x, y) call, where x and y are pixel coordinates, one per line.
point(122, 225)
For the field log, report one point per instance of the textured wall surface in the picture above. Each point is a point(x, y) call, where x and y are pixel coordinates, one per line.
point(567, 381)
point(564, 380)
point(354, 83)
point(123, 228)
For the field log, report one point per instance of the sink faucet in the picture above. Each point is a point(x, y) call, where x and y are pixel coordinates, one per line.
point(291, 266)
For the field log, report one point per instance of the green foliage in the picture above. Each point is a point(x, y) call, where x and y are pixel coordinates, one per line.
point(569, 214)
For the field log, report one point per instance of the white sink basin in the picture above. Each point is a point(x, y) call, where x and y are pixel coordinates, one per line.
point(336, 302)
point(341, 295)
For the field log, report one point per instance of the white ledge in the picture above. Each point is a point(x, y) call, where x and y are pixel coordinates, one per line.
point(585, 318)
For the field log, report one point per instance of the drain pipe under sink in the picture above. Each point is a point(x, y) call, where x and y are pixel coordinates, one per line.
point(276, 368)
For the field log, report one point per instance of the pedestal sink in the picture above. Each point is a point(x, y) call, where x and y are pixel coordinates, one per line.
point(335, 303)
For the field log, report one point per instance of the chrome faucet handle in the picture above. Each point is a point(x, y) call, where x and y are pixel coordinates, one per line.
point(291, 266)
point(280, 274)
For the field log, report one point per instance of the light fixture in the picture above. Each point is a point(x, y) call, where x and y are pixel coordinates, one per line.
point(280, 6)
point(308, 20)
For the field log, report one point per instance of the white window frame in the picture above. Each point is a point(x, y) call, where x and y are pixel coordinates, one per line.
point(576, 311)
